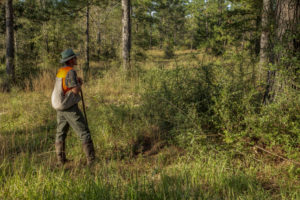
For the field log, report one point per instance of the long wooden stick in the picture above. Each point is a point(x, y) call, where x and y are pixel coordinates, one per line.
point(83, 106)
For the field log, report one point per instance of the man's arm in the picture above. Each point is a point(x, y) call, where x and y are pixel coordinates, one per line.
point(76, 89)
point(73, 82)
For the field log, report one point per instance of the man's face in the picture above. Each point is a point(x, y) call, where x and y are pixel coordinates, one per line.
point(74, 60)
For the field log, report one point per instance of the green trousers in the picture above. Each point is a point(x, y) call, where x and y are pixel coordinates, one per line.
point(72, 117)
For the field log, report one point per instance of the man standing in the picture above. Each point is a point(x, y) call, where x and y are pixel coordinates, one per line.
point(65, 98)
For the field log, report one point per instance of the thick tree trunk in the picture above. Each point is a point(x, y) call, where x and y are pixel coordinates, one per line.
point(87, 61)
point(287, 18)
point(10, 52)
point(287, 13)
point(126, 33)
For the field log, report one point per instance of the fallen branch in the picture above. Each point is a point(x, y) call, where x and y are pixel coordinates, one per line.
point(276, 155)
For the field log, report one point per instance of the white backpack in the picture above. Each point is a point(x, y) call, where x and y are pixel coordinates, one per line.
point(61, 101)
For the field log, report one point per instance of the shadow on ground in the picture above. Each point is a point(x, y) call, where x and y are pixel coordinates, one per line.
point(36, 140)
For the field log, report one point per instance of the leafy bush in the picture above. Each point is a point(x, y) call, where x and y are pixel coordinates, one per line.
point(180, 100)
point(189, 103)
point(277, 124)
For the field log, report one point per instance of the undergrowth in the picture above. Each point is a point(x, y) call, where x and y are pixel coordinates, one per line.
point(185, 128)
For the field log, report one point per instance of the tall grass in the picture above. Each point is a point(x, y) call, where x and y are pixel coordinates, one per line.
point(134, 159)
point(209, 176)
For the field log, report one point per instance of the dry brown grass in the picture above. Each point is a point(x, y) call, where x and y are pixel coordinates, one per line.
point(113, 88)
point(43, 83)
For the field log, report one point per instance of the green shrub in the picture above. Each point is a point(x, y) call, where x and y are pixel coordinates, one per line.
point(243, 119)
point(277, 124)
point(189, 103)
point(169, 49)
point(234, 103)
point(180, 100)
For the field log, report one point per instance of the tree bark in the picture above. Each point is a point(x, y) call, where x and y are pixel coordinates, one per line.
point(265, 35)
point(99, 43)
point(87, 61)
point(287, 13)
point(150, 39)
point(287, 18)
point(10, 51)
point(126, 33)
point(265, 54)
point(220, 11)
point(256, 50)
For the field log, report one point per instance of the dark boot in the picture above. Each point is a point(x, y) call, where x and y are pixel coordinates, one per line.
point(60, 152)
point(89, 151)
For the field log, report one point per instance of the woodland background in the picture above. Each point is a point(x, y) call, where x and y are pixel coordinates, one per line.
point(186, 99)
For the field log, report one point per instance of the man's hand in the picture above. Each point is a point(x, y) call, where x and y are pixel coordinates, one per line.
point(80, 81)
point(76, 89)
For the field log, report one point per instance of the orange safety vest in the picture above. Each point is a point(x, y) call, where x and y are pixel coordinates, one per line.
point(62, 73)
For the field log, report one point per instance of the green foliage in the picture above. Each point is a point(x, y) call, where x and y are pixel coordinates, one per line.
point(188, 103)
point(142, 24)
point(2, 18)
point(108, 52)
point(237, 97)
point(245, 120)
point(277, 124)
point(181, 99)
point(139, 54)
point(169, 49)
point(217, 25)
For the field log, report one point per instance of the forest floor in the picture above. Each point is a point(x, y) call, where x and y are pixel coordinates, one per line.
point(132, 161)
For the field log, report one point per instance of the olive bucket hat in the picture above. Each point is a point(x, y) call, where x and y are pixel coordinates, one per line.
point(67, 54)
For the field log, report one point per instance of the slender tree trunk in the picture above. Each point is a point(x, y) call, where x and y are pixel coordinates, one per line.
point(126, 33)
point(265, 54)
point(150, 42)
point(16, 49)
point(87, 61)
point(99, 42)
point(136, 28)
point(220, 10)
point(47, 43)
point(206, 24)
point(175, 36)
point(10, 51)
point(265, 35)
point(297, 29)
point(256, 50)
